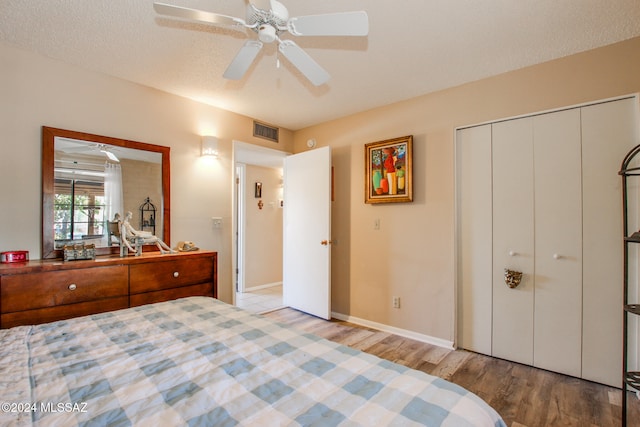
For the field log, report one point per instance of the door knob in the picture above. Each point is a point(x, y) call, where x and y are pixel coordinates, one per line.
point(557, 256)
point(326, 242)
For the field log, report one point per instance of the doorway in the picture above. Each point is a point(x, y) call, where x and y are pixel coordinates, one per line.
point(258, 227)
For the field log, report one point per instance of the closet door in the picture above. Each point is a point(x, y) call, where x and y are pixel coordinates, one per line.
point(513, 245)
point(558, 242)
point(609, 131)
point(474, 239)
point(542, 195)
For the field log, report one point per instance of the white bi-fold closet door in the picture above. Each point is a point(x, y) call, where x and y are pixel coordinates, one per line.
point(541, 195)
point(537, 229)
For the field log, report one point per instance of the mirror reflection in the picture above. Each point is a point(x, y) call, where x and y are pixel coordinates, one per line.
point(93, 182)
point(88, 179)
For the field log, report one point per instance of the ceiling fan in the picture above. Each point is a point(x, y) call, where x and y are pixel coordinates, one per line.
point(269, 25)
point(71, 146)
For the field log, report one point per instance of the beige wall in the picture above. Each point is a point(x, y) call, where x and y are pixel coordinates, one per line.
point(148, 179)
point(263, 227)
point(37, 91)
point(412, 255)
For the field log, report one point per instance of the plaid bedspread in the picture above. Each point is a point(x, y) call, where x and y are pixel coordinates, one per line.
point(201, 362)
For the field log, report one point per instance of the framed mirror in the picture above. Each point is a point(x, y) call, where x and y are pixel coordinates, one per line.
point(87, 178)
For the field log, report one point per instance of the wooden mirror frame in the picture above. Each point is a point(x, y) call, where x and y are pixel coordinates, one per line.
point(48, 146)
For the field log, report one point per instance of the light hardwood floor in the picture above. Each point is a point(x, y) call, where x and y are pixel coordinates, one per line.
point(524, 396)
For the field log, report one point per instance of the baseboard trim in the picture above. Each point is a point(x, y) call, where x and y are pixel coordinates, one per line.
point(267, 285)
point(396, 331)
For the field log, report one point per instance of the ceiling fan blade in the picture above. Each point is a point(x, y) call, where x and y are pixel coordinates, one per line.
point(196, 15)
point(243, 60)
point(331, 24)
point(303, 62)
point(109, 154)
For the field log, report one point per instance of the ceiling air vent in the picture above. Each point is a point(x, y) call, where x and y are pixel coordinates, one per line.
point(262, 130)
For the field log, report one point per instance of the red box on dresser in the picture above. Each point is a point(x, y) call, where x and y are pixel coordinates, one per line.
point(14, 256)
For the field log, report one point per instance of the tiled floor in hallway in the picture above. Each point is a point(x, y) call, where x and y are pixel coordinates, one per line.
point(260, 300)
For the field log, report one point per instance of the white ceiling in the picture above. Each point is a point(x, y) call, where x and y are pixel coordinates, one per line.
point(414, 47)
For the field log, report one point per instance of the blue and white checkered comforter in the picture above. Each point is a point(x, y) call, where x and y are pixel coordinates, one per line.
point(201, 362)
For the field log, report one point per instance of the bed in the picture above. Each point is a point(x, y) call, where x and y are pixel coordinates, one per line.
point(200, 362)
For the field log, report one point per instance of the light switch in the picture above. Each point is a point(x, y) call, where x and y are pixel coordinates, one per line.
point(217, 221)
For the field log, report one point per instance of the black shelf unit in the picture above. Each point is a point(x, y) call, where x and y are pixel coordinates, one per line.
point(148, 216)
point(629, 378)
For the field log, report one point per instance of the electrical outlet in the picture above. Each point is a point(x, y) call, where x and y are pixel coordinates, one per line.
point(396, 302)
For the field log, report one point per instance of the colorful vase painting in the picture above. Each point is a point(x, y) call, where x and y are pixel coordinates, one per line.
point(387, 174)
point(388, 171)
point(377, 177)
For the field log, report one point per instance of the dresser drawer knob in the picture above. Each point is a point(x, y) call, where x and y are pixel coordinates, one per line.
point(176, 274)
point(72, 287)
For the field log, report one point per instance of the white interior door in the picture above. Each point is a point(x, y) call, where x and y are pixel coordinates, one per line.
point(475, 238)
point(558, 242)
point(240, 226)
point(609, 131)
point(513, 244)
point(307, 232)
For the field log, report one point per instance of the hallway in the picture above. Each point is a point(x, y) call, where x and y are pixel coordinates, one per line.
point(261, 300)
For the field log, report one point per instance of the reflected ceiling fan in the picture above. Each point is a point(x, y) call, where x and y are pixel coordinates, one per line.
point(72, 146)
point(269, 25)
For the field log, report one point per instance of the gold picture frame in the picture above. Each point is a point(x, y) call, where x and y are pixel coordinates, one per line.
point(388, 176)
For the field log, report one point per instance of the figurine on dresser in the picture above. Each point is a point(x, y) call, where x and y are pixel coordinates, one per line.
point(129, 234)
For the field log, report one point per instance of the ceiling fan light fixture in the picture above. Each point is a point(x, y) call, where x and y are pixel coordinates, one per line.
point(267, 33)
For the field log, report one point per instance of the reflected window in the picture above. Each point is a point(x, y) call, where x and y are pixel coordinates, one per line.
point(79, 206)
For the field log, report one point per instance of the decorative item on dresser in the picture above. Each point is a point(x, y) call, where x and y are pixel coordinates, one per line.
point(79, 251)
point(45, 291)
point(14, 256)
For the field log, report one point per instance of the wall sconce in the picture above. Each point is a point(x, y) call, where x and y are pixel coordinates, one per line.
point(209, 146)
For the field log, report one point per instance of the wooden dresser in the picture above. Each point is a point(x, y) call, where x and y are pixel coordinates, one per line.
point(47, 290)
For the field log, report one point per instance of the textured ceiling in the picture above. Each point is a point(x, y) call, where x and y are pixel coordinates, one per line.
point(414, 47)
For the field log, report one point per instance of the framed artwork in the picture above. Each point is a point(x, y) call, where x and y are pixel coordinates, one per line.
point(388, 174)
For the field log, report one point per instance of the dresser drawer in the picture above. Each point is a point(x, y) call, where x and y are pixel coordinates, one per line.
point(48, 289)
point(147, 277)
point(62, 312)
point(200, 290)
